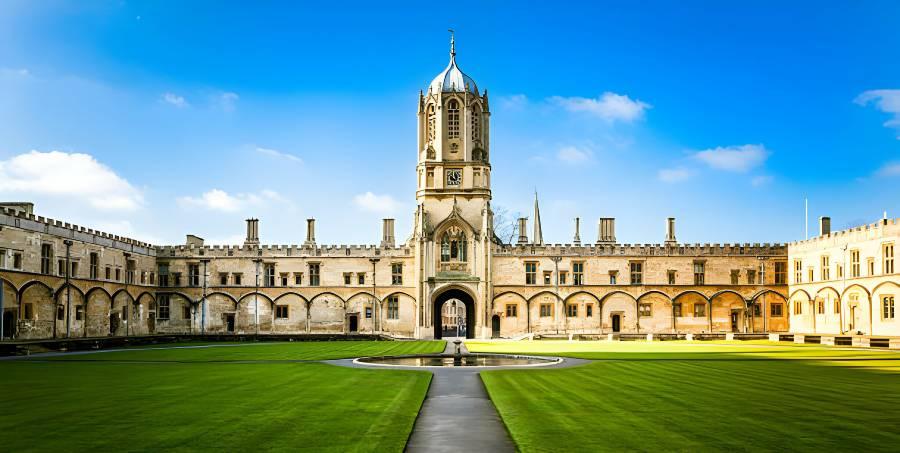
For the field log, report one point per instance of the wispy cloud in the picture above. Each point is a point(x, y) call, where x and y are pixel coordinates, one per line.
point(673, 175)
point(609, 106)
point(514, 102)
point(761, 180)
point(18, 72)
point(573, 155)
point(382, 204)
point(887, 101)
point(279, 154)
point(222, 201)
point(733, 158)
point(228, 101)
point(175, 100)
point(68, 175)
point(889, 169)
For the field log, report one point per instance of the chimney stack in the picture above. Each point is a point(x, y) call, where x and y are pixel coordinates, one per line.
point(670, 231)
point(387, 233)
point(606, 231)
point(577, 239)
point(523, 233)
point(252, 232)
point(310, 233)
point(824, 226)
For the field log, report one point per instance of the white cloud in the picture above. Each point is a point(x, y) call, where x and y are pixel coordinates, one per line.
point(887, 101)
point(673, 175)
point(889, 169)
point(514, 102)
point(220, 200)
point(609, 106)
point(174, 99)
point(279, 155)
point(733, 158)
point(761, 180)
point(75, 175)
point(228, 100)
point(573, 155)
point(126, 229)
point(382, 204)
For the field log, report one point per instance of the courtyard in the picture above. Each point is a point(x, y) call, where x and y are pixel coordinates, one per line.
point(649, 396)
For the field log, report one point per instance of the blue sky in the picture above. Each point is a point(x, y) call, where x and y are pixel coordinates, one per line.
point(158, 119)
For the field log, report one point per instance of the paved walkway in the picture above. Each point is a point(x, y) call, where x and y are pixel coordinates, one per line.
point(457, 414)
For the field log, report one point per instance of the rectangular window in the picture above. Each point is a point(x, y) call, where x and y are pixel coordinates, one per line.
point(238, 278)
point(870, 263)
point(735, 275)
point(314, 274)
point(757, 310)
point(17, 261)
point(94, 265)
point(186, 311)
point(562, 277)
point(60, 268)
point(751, 276)
point(512, 310)
point(2, 258)
point(281, 312)
point(361, 278)
point(854, 263)
point(612, 277)
point(223, 278)
point(548, 278)
point(530, 273)
point(837, 306)
point(798, 271)
point(143, 277)
point(670, 274)
point(129, 271)
point(637, 272)
point(589, 310)
point(578, 274)
point(676, 308)
point(46, 258)
point(397, 274)
point(152, 278)
point(798, 308)
point(780, 273)
point(284, 278)
point(298, 278)
point(812, 275)
point(61, 312)
point(546, 310)
point(825, 270)
point(820, 307)
point(176, 278)
point(348, 277)
point(644, 310)
point(118, 274)
point(887, 253)
point(840, 271)
point(572, 310)
point(699, 310)
point(79, 312)
point(29, 311)
point(163, 304)
point(393, 307)
point(368, 312)
point(887, 307)
point(699, 273)
point(163, 275)
point(269, 275)
point(193, 275)
point(776, 310)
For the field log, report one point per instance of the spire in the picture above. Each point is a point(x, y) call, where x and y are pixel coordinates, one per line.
point(538, 237)
point(452, 44)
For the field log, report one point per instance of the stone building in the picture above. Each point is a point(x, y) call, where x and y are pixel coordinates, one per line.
point(61, 279)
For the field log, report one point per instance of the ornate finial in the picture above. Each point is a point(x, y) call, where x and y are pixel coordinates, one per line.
point(452, 43)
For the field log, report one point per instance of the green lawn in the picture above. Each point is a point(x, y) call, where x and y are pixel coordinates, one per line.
point(700, 397)
point(189, 401)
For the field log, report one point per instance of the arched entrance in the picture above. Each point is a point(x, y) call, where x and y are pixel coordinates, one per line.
point(495, 326)
point(461, 297)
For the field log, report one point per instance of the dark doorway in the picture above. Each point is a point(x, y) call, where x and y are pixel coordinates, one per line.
point(461, 297)
point(151, 322)
point(9, 323)
point(734, 320)
point(229, 322)
point(354, 323)
point(113, 323)
point(617, 323)
point(495, 326)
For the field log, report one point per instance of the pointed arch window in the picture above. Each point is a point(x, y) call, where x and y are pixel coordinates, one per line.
point(454, 245)
point(430, 125)
point(476, 123)
point(453, 119)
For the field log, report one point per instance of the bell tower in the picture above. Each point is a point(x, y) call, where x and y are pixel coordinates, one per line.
point(454, 222)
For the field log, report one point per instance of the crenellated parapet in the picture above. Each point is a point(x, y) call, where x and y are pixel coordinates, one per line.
point(281, 251)
point(880, 229)
point(24, 220)
point(641, 250)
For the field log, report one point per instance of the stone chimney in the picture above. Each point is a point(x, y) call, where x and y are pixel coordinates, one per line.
point(577, 239)
point(523, 232)
point(196, 241)
point(606, 230)
point(252, 232)
point(670, 231)
point(824, 226)
point(387, 233)
point(310, 233)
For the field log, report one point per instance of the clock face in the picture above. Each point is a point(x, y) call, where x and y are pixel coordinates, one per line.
point(454, 177)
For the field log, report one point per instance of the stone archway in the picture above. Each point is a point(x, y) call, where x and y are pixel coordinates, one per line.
point(461, 296)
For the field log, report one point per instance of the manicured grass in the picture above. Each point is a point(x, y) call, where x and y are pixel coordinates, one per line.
point(233, 352)
point(186, 402)
point(667, 397)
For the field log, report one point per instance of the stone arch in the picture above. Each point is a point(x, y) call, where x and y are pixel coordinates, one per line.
point(515, 293)
point(688, 322)
point(357, 305)
point(98, 303)
point(728, 311)
point(404, 324)
point(583, 322)
point(62, 288)
point(458, 293)
point(617, 291)
point(857, 285)
point(31, 283)
point(691, 291)
point(297, 307)
point(618, 312)
point(661, 312)
point(527, 317)
point(226, 295)
point(651, 292)
point(327, 316)
point(37, 298)
point(68, 302)
point(727, 291)
point(10, 315)
point(888, 282)
point(791, 296)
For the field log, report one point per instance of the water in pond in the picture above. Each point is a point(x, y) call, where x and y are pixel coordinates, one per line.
point(467, 360)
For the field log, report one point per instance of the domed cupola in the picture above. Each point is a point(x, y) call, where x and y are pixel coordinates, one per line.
point(452, 80)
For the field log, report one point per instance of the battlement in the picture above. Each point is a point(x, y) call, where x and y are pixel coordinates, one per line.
point(281, 251)
point(643, 250)
point(16, 218)
point(857, 233)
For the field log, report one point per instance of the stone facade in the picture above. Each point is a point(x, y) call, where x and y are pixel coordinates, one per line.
point(120, 286)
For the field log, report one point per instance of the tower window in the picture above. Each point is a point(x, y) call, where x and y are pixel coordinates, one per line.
point(453, 119)
point(431, 122)
point(454, 245)
point(475, 123)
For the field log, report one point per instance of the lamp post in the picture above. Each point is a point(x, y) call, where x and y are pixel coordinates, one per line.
point(258, 261)
point(203, 300)
point(556, 260)
point(374, 261)
point(127, 312)
point(68, 289)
